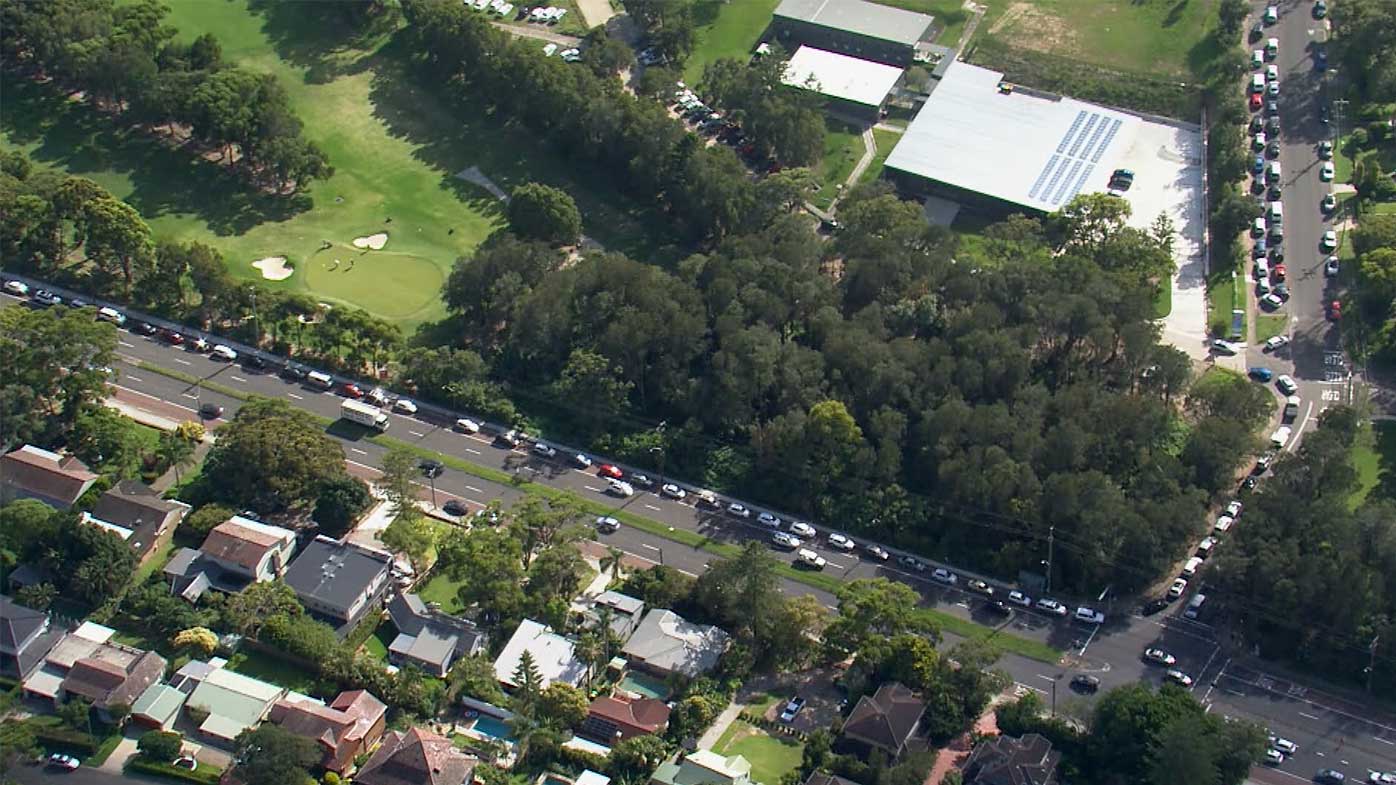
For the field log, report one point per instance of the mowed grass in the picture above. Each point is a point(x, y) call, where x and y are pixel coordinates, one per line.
point(1374, 458)
point(843, 147)
point(1159, 37)
point(726, 29)
point(441, 589)
point(394, 148)
point(771, 757)
point(885, 140)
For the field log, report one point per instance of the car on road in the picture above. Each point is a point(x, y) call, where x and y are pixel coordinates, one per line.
point(1089, 615)
point(221, 352)
point(792, 708)
point(1159, 657)
point(581, 461)
point(619, 488)
point(44, 298)
point(467, 426)
point(1261, 374)
point(768, 520)
point(980, 587)
point(842, 542)
point(17, 288)
point(942, 575)
point(210, 411)
point(1287, 384)
point(65, 762)
point(291, 371)
point(1234, 508)
point(875, 551)
point(1283, 745)
point(1051, 606)
point(1180, 585)
point(1331, 267)
point(1018, 598)
point(1084, 682)
point(1223, 524)
point(1335, 310)
point(673, 491)
point(431, 467)
point(144, 328)
point(1326, 172)
point(545, 450)
point(404, 406)
point(1325, 149)
point(1225, 347)
point(172, 337)
point(1329, 244)
point(1323, 114)
point(1383, 777)
point(349, 390)
point(1274, 757)
point(607, 525)
point(738, 510)
point(641, 480)
point(802, 529)
point(455, 507)
point(808, 558)
point(1330, 777)
point(1204, 548)
point(607, 470)
point(1178, 677)
point(1329, 203)
point(1276, 342)
point(912, 563)
point(999, 607)
point(785, 541)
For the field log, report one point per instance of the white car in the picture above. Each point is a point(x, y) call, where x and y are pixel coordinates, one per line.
point(1159, 657)
point(1272, 302)
point(877, 552)
point(738, 510)
point(809, 558)
point(1019, 598)
point(571, 55)
point(841, 542)
point(768, 520)
point(467, 426)
point(1272, 73)
point(582, 460)
point(1330, 241)
point(802, 529)
point(404, 406)
point(1276, 342)
point(1223, 523)
point(222, 352)
point(549, 50)
point(1272, 14)
point(1283, 745)
point(1257, 58)
point(1274, 757)
point(1326, 172)
point(1234, 508)
point(1089, 615)
point(787, 541)
point(545, 450)
point(1051, 606)
point(1225, 347)
point(607, 524)
point(1178, 677)
point(1286, 384)
point(105, 314)
point(1179, 586)
point(377, 396)
point(65, 762)
point(17, 288)
point(673, 491)
point(619, 488)
point(942, 575)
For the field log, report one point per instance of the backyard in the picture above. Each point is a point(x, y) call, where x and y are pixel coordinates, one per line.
point(1374, 458)
point(771, 757)
point(441, 589)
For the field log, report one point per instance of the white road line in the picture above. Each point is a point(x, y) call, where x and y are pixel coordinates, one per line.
point(418, 434)
point(1300, 427)
point(357, 450)
point(1045, 677)
point(127, 344)
point(1088, 641)
point(839, 566)
point(1308, 716)
point(237, 378)
point(190, 396)
point(652, 507)
point(472, 452)
point(1384, 741)
point(154, 398)
point(297, 397)
point(134, 378)
point(592, 488)
point(473, 488)
point(182, 362)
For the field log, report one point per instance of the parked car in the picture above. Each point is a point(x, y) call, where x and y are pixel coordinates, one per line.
point(791, 709)
point(1283, 745)
point(1329, 203)
point(876, 552)
point(619, 488)
point(65, 762)
point(1180, 585)
point(545, 450)
point(608, 470)
point(1335, 310)
point(45, 299)
point(841, 542)
point(210, 411)
point(1330, 777)
point(1084, 682)
point(980, 587)
point(455, 507)
point(802, 529)
point(221, 352)
point(768, 520)
point(1261, 374)
point(1225, 347)
point(1276, 342)
point(1159, 656)
point(1326, 172)
point(1089, 615)
point(673, 491)
point(145, 328)
point(785, 541)
point(1330, 267)
point(581, 460)
point(1329, 244)
point(172, 337)
point(467, 426)
point(1274, 757)
point(942, 575)
point(17, 288)
point(404, 406)
point(1178, 677)
point(641, 480)
point(1286, 384)
point(1325, 150)
point(1051, 606)
point(738, 510)
point(1019, 598)
point(811, 559)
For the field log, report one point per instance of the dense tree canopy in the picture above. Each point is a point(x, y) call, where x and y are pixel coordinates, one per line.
point(55, 370)
point(545, 213)
point(273, 457)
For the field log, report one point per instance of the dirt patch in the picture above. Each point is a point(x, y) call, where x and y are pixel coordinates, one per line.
point(1027, 26)
point(374, 242)
point(274, 268)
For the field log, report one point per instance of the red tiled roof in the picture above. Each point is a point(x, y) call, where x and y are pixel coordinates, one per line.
point(645, 714)
point(44, 474)
point(344, 728)
point(417, 757)
point(242, 545)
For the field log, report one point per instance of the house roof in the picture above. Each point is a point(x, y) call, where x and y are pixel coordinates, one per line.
point(46, 475)
point(553, 654)
point(664, 640)
point(342, 729)
point(132, 504)
point(1005, 760)
point(234, 702)
point(820, 778)
point(18, 623)
point(245, 542)
point(336, 574)
point(645, 713)
point(860, 17)
point(885, 719)
point(108, 680)
point(160, 703)
point(734, 767)
point(839, 76)
point(417, 757)
point(620, 603)
point(444, 634)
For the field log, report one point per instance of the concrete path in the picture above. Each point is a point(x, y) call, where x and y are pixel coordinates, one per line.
point(973, 25)
point(724, 720)
point(869, 153)
point(539, 33)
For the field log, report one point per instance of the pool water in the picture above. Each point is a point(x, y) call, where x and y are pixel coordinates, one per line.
point(552, 780)
point(641, 684)
point(493, 726)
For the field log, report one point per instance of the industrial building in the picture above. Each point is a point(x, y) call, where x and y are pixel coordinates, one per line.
point(857, 28)
point(854, 87)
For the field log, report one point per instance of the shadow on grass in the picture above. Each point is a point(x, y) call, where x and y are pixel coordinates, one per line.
point(164, 180)
point(324, 38)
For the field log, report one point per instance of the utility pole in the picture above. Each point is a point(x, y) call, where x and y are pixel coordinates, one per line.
point(256, 325)
point(1372, 661)
point(1051, 537)
point(431, 478)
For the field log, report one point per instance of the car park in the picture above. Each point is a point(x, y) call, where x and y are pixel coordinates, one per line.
point(809, 558)
point(1089, 615)
point(607, 524)
point(1178, 677)
point(1084, 682)
point(455, 507)
point(673, 491)
point(608, 470)
point(875, 551)
point(1286, 384)
point(1261, 374)
point(619, 488)
point(1159, 656)
point(841, 542)
point(785, 541)
point(1180, 585)
point(545, 450)
point(738, 510)
point(791, 709)
point(1051, 606)
point(1018, 598)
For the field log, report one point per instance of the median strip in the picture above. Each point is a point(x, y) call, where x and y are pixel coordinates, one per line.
point(1005, 642)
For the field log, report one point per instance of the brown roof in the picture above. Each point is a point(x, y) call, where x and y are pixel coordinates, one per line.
point(107, 683)
point(344, 728)
point(645, 714)
point(132, 504)
point(417, 757)
point(49, 476)
point(886, 719)
point(233, 542)
point(820, 778)
point(1005, 760)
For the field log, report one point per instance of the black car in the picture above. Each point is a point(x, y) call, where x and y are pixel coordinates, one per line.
point(640, 480)
point(1323, 113)
point(1257, 123)
point(998, 607)
point(454, 507)
point(1258, 31)
point(1154, 606)
point(1274, 193)
point(293, 372)
point(1083, 682)
point(431, 467)
point(254, 362)
point(210, 411)
point(143, 328)
point(1330, 777)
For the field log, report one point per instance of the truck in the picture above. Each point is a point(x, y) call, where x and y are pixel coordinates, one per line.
point(365, 414)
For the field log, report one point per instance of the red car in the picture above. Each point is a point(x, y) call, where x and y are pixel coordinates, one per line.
point(172, 338)
point(607, 470)
point(1335, 310)
point(1255, 102)
point(1279, 272)
point(352, 390)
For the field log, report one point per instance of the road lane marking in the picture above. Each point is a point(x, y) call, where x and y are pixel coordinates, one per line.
point(1384, 741)
point(190, 396)
point(127, 344)
point(592, 488)
point(357, 450)
point(417, 434)
point(237, 378)
point(155, 398)
point(1085, 645)
point(472, 452)
point(652, 507)
point(297, 397)
point(182, 362)
point(134, 378)
point(473, 488)
point(839, 566)
point(1308, 716)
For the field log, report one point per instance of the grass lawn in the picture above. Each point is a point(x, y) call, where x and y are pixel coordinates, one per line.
point(394, 148)
point(1161, 38)
point(1222, 297)
point(1163, 300)
point(1374, 458)
point(260, 665)
point(377, 644)
point(771, 757)
point(1268, 326)
point(843, 147)
point(726, 29)
point(885, 140)
point(440, 588)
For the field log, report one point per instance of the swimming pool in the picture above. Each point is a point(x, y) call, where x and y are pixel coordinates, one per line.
point(493, 727)
point(553, 779)
point(644, 685)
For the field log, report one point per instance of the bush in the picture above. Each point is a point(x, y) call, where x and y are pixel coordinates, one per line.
point(160, 745)
point(204, 775)
point(53, 736)
point(1359, 137)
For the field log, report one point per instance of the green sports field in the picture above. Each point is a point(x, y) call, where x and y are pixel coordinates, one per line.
point(394, 148)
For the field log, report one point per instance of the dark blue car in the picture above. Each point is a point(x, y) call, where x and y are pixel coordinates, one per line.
point(1258, 165)
point(1261, 374)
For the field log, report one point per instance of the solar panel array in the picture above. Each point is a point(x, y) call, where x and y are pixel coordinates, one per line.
point(1067, 170)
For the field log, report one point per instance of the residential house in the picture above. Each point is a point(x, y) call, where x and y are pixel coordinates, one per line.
point(417, 757)
point(665, 643)
point(885, 720)
point(1004, 760)
point(339, 582)
point(348, 727)
point(553, 655)
point(158, 707)
point(26, 637)
point(46, 681)
point(622, 612)
point(224, 703)
point(238, 551)
point(428, 638)
point(704, 767)
point(113, 676)
point(614, 719)
point(136, 513)
point(34, 473)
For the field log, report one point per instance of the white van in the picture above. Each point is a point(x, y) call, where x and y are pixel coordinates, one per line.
point(1204, 548)
point(1262, 269)
point(1272, 171)
point(1257, 83)
point(1280, 437)
point(1191, 566)
point(1194, 609)
point(1272, 47)
point(1291, 408)
point(111, 315)
point(1277, 213)
point(319, 379)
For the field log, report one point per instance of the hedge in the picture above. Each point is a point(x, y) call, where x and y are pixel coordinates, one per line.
point(204, 775)
point(70, 740)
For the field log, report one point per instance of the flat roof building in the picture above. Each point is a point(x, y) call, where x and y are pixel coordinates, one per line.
point(854, 27)
point(853, 86)
point(339, 581)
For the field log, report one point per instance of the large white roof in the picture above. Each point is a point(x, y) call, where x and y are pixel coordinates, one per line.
point(1024, 148)
point(840, 76)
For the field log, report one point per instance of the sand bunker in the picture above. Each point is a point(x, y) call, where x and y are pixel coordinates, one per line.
point(373, 242)
point(274, 268)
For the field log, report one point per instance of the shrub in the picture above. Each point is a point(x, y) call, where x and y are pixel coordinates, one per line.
point(200, 776)
point(160, 745)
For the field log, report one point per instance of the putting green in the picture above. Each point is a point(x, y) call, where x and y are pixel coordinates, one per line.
point(396, 285)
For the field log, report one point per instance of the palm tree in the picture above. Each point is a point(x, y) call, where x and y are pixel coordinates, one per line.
point(612, 562)
point(174, 451)
point(590, 650)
